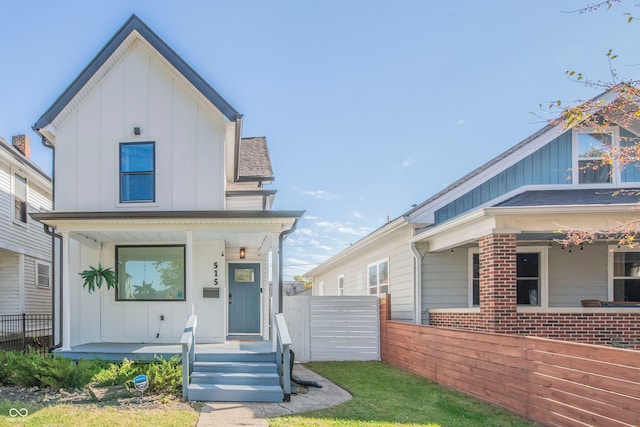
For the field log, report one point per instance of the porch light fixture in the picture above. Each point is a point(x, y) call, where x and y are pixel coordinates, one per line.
point(243, 253)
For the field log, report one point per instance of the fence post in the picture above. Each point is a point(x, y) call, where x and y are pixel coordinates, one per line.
point(24, 332)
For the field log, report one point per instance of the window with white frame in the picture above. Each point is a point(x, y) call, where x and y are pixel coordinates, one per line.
point(19, 198)
point(590, 145)
point(341, 285)
point(626, 275)
point(43, 275)
point(379, 277)
point(530, 275)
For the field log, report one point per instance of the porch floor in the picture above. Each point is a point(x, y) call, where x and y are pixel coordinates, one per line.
point(146, 352)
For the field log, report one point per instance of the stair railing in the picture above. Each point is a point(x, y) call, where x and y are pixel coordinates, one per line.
point(188, 342)
point(282, 354)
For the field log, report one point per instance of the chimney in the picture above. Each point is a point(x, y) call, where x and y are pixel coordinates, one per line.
point(22, 144)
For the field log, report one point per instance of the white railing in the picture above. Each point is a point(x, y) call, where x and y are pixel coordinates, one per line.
point(188, 342)
point(283, 360)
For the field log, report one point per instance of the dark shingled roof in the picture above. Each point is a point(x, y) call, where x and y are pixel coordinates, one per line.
point(254, 163)
point(573, 197)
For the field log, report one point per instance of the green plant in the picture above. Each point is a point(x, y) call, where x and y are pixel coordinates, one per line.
point(93, 278)
point(118, 373)
point(165, 375)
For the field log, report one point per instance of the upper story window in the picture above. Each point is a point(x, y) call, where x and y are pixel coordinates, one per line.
point(137, 172)
point(19, 198)
point(590, 146)
point(379, 277)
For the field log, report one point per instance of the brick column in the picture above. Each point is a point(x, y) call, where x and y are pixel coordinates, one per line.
point(498, 286)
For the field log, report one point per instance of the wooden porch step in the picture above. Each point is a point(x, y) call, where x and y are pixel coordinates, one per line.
point(235, 393)
point(239, 378)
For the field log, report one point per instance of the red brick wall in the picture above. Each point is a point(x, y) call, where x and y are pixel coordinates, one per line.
point(618, 329)
point(498, 287)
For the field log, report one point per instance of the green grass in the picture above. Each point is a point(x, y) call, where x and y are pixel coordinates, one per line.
point(387, 396)
point(92, 416)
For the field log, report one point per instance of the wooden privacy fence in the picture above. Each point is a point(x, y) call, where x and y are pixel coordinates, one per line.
point(324, 328)
point(551, 382)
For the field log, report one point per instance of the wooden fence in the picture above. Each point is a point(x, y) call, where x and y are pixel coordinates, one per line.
point(325, 328)
point(554, 383)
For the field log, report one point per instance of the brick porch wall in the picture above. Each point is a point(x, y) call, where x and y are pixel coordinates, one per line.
point(618, 329)
point(498, 307)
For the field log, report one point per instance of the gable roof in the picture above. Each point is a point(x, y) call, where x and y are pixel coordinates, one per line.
point(135, 24)
point(20, 158)
point(254, 163)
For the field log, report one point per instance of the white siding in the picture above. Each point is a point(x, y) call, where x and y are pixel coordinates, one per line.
point(9, 283)
point(141, 90)
point(394, 246)
point(37, 299)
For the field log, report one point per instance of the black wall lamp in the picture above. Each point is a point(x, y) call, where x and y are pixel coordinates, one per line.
point(243, 253)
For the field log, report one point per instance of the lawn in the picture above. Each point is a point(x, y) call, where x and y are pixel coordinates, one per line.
point(382, 396)
point(386, 396)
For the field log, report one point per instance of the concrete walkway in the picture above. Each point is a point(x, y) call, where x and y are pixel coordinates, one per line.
point(221, 414)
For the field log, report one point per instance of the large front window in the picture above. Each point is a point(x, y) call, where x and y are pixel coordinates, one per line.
point(379, 277)
point(626, 276)
point(137, 172)
point(150, 273)
point(528, 278)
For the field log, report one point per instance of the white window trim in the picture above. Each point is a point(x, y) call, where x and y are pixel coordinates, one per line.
point(341, 281)
point(613, 249)
point(15, 220)
point(48, 265)
point(616, 177)
point(377, 263)
point(544, 273)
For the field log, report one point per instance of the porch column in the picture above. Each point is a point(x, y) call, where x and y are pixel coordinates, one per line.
point(275, 285)
point(498, 285)
point(66, 294)
point(188, 271)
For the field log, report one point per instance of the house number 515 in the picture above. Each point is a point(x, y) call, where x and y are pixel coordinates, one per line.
point(215, 273)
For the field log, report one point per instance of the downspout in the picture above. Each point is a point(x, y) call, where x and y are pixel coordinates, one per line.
point(51, 231)
point(417, 300)
point(283, 235)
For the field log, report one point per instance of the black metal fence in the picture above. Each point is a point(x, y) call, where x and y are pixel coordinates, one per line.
point(26, 332)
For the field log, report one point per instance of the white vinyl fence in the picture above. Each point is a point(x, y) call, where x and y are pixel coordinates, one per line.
point(327, 328)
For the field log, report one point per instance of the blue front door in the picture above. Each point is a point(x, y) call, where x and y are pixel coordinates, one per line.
point(244, 298)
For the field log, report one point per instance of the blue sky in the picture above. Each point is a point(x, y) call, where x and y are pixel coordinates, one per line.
point(368, 106)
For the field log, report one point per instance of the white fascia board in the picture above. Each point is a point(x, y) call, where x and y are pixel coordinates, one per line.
point(361, 244)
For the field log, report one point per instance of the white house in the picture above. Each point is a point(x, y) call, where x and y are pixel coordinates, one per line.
point(153, 179)
point(483, 253)
point(25, 248)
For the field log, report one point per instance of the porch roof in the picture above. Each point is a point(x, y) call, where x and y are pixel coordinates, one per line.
point(237, 228)
point(534, 223)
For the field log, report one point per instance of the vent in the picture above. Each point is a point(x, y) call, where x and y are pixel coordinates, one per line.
point(43, 275)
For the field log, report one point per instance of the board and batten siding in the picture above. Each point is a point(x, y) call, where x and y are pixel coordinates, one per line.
point(551, 164)
point(141, 90)
point(394, 246)
point(324, 328)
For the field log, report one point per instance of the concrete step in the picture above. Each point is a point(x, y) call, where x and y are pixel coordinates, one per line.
point(234, 366)
point(239, 378)
point(235, 393)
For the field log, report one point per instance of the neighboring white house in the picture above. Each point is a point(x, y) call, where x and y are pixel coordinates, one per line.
point(25, 248)
point(484, 252)
point(153, 179)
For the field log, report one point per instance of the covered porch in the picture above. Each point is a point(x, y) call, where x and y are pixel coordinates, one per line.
point(504, 270)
